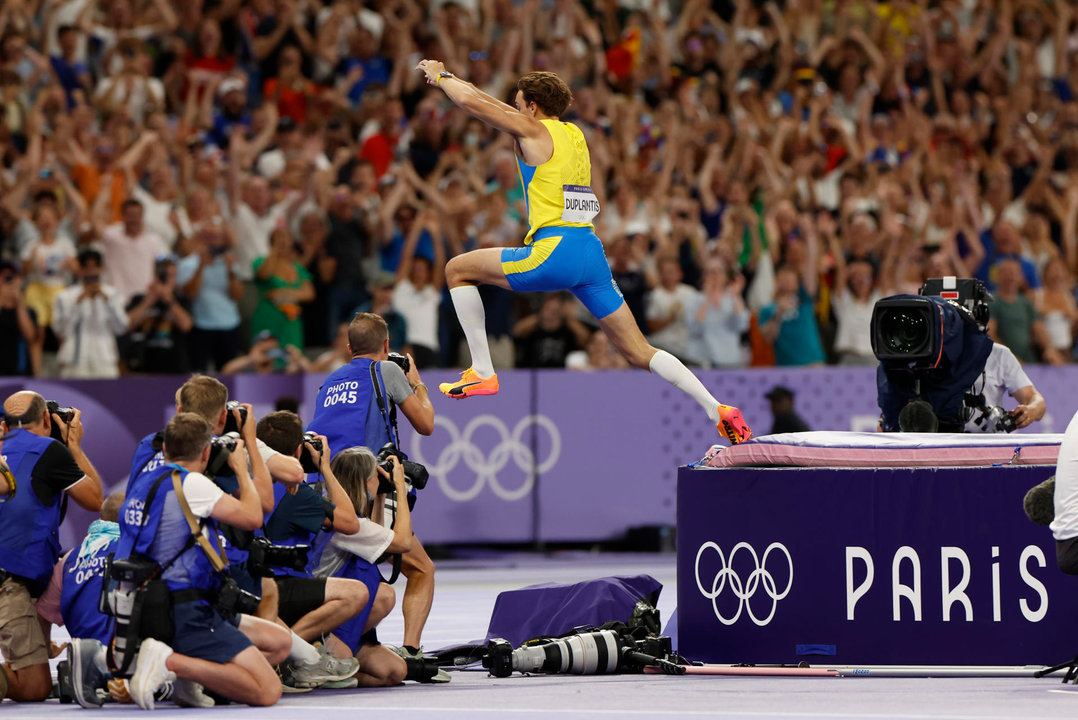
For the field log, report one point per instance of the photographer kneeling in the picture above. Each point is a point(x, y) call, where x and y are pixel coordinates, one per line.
point(356, 406)
point(229, 653)
point(355, 556)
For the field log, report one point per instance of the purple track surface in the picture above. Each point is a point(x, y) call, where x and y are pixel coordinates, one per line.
point(465, 597)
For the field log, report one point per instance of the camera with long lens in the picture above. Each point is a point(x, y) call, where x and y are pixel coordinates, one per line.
point(230, 420)
point(414, 473)
point(220, 448)
point(400, 360)
point(990, 419)
point(932, 347)
point(306, 459)
point(234, 600)
point(67, 414)
point(263, 556)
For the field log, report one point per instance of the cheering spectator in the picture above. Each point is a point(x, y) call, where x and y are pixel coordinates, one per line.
point(130, 249)
point(1014, 320)
point(48, 262)
point(547, 337)
point(158, 325)
point(18, 327)
point(419, 290)
point(87, 318)
point(283, 286)
point(670, 305)
point(720, 318)
point(1057, 308)
point(789, 322)
point(208, 278)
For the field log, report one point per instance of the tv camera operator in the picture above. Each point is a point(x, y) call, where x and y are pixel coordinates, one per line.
point(168, 585)
point(42, 474)
point(207, 397)
point(356, 406)
point(934, 348)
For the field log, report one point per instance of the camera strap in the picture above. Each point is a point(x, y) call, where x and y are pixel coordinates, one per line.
point(390, 417)
point(396, 572)
point(216, 557)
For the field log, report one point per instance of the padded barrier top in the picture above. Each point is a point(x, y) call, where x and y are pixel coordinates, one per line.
point(869, 449)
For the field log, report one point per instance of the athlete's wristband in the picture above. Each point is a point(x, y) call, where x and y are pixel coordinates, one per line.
point(443, 74)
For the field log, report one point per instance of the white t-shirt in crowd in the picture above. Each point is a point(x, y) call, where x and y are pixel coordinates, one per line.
point(252, 235)
point(420, 311)
point(854, 320)
point(674, 338)
point(369, 543)
point(129, 262)
point(155, 216)
point(45, 263)
point(1065, 524)
point(1003, 376)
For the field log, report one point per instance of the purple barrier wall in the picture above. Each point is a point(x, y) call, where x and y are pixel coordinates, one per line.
point(869, 566)
point(556, 456)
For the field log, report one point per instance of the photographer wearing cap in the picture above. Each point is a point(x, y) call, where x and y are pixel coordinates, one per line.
point(43, 470)
point(348, 413)
point(230, 656)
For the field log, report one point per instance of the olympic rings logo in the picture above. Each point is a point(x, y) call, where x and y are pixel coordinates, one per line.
point(487, 466)
point(744, 590)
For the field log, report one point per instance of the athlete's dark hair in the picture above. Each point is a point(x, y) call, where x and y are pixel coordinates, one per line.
point(546, 90)
point(367, 333)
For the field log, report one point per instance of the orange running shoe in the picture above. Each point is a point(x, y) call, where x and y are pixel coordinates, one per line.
point(470, 384)
point(732, 426)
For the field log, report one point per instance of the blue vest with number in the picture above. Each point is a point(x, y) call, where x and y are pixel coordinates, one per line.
point(81, 591)
point(146, 459)
point(29, 529)
point(160, 532)
point(346, 411)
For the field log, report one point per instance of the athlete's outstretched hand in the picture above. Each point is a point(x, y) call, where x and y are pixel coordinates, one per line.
point(431, 68)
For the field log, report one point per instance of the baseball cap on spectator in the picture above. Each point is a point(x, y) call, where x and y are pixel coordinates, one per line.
point(382, 280)
point(778, 392)
point(230, 84)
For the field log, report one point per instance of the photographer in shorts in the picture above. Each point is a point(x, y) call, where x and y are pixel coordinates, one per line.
point(311, 606)
point(348, 412)
point(207, 397)
point(213, 643)
point(42, 470)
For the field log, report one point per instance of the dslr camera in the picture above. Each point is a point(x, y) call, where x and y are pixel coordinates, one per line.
point(306, 459)
point(991, 419)
point(234, 600)
point(414, 473)
point(220, 448)
point(264, 555)
point(400, 360)
point(67, 414)
point(230, 421)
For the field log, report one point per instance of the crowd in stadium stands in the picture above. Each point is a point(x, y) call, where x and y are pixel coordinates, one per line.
point(219, 184)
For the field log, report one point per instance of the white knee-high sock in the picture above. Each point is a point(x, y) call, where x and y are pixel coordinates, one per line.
point(473, 319)
point(302, 651)
point(673, 371)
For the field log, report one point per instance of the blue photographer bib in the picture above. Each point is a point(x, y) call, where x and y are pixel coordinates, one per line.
point(82, 579)
point(346, 411)
point(160, 532)
point(29, 529)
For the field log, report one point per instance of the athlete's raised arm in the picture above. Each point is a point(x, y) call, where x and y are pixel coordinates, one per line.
point(480, 105)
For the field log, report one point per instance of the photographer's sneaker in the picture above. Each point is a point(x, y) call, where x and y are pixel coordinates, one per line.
point(423, 670)
point(327, 669)
point(187, 693)
point(150, 672)
point(732, 426)
point(86, 677)
point(470, 384)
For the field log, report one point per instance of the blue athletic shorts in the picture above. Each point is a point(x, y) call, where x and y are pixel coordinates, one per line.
point(351, 630)
point(201, 632)
point(564, 258)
